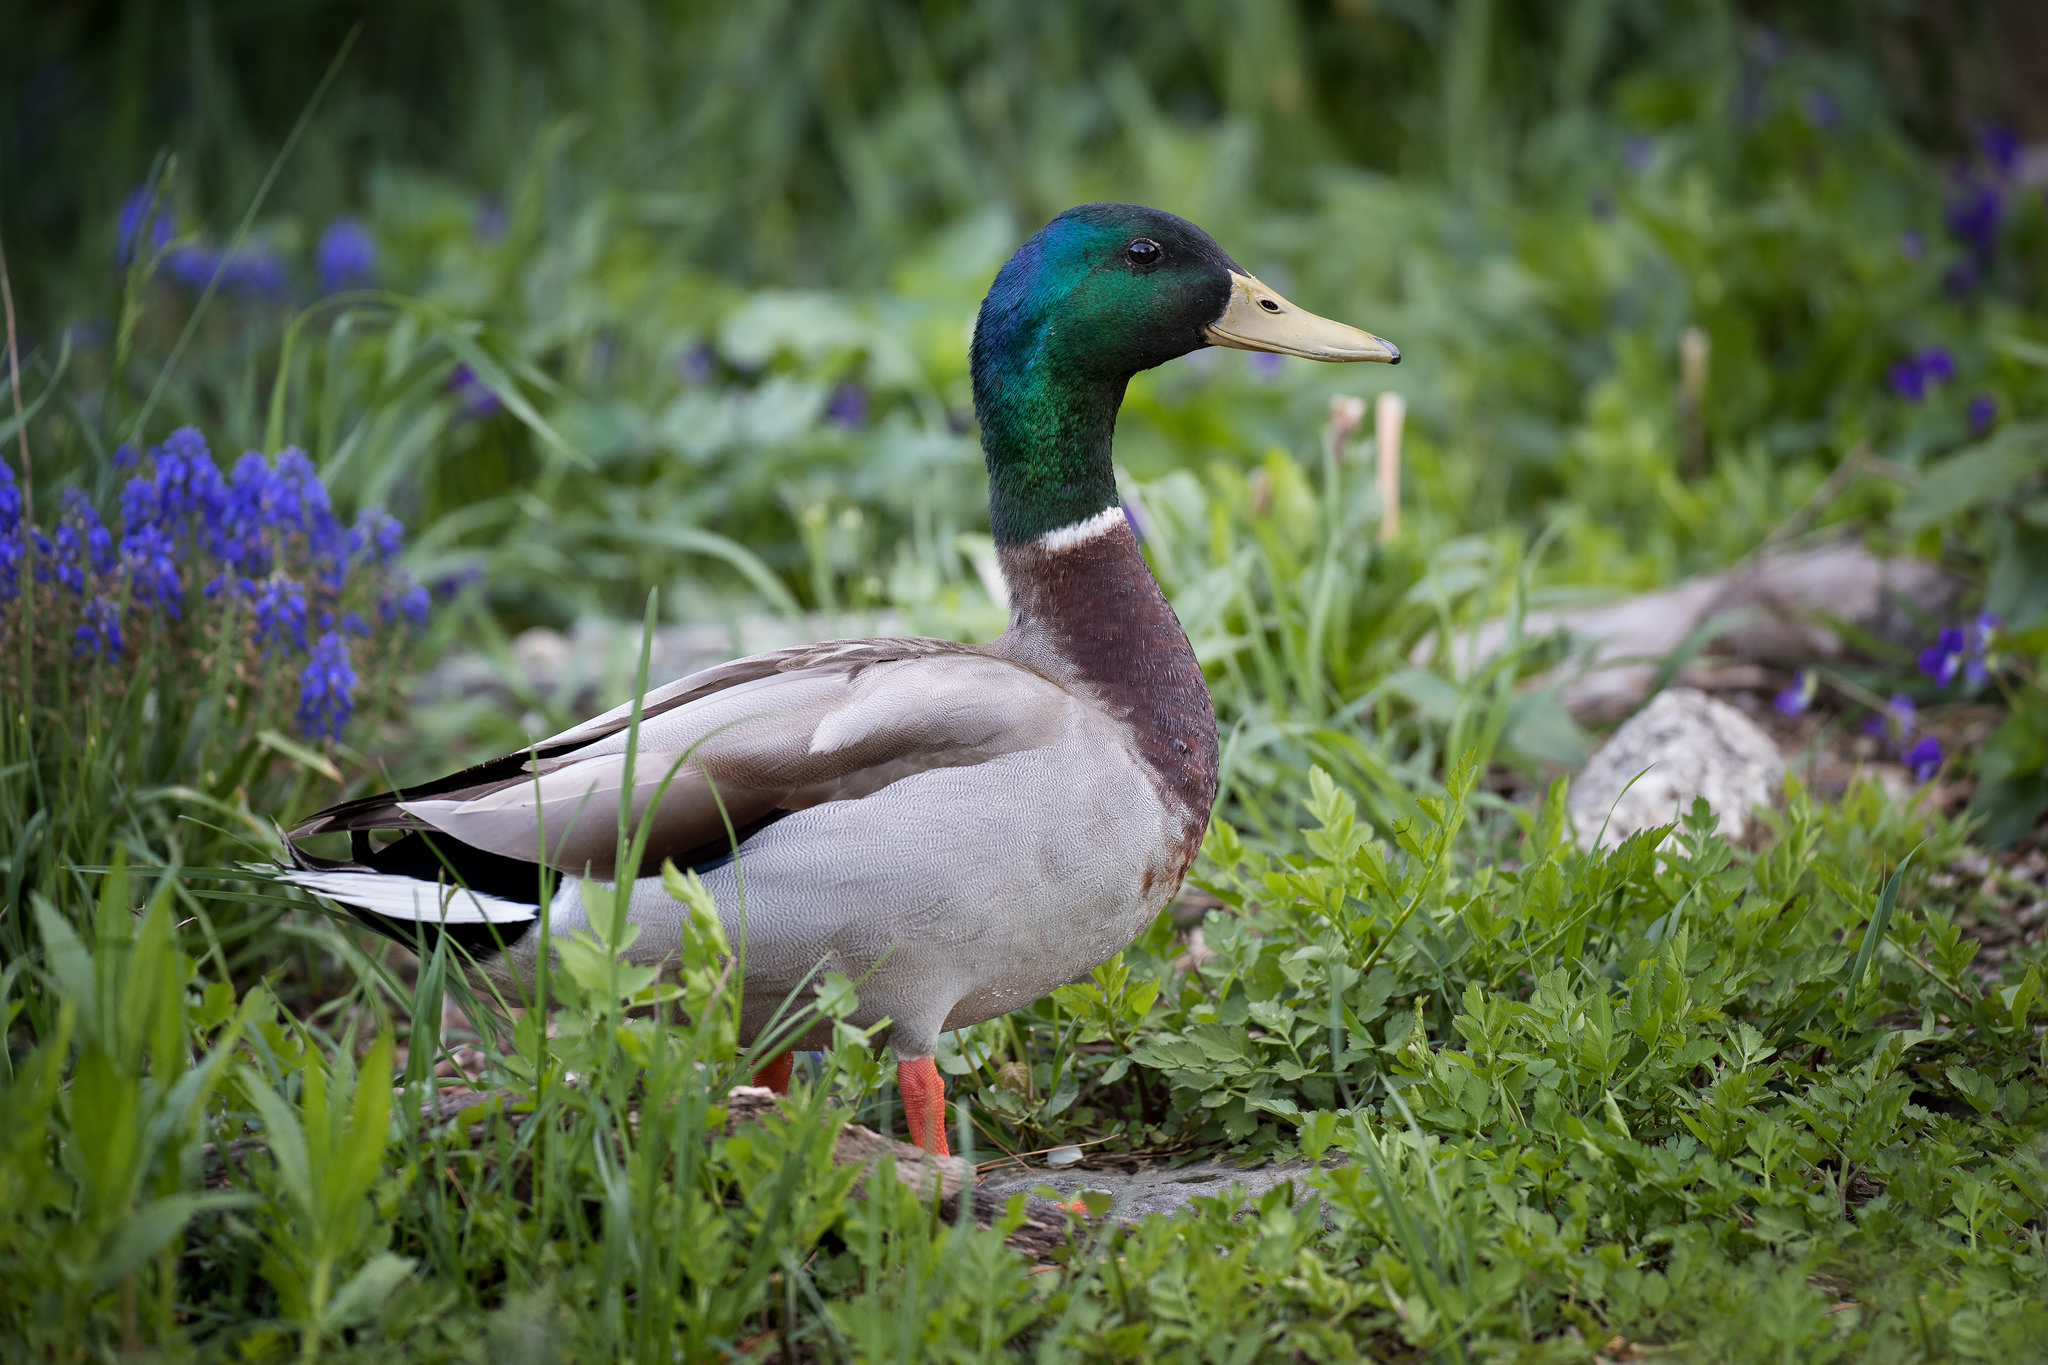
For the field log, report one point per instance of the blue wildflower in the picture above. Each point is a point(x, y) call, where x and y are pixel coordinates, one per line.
point(1944, 658)
point(255, 270)
point(326, 689)
point(1265, 364)
point(698, 364)
point(281, 614)
point(1794, 699)
point(404, 599)
point(193, 266)
point(2001, 147)
point(1924, 758)
point(1912, 244)
point(11, 541)
point(1974, 215)
point(345, 257)
point(352, 623)
point(153, 577)
point(1983, 412)
point(1821, 109)
point(1912, 377)
point(82, 548)
point(1638, 150)
point(1963, 649)
point(490, 221)
point(478, 401)
point(848, 406)
point(100, 633)
point(379, 536)
point(137, 230)
point(1906, 380)
point(1896, 723)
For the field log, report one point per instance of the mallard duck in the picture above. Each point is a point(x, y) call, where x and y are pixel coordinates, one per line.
point(959, 828)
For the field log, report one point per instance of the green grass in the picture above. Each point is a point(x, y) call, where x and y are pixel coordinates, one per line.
point(1723, 1104)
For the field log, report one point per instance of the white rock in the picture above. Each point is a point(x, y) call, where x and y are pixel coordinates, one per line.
point(1692, 746)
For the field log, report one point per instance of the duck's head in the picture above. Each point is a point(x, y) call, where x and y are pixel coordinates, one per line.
point(1100, 293)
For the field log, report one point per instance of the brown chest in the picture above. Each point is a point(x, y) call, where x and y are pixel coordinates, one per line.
point(1091, 615)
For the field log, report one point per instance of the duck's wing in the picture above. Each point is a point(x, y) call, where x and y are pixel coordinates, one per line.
point(725, 752)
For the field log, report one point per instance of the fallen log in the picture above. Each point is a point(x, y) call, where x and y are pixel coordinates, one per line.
point(1778, 609)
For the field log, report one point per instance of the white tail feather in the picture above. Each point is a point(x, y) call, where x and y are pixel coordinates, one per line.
point(408, 898)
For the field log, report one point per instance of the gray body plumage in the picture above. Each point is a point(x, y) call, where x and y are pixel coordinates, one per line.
point(970, 832)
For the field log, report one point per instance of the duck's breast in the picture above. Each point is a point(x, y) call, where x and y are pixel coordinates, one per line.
point(960, 893)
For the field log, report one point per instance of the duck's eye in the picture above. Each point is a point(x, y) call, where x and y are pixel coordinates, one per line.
point(1269, 305)
point(1144, 251)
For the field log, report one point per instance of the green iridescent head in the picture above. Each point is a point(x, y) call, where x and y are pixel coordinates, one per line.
point(1100, 293)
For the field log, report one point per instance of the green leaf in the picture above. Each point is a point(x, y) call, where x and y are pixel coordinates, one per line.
point(1880, 922)
point(146, 1232)
point(366, 1290)
point(1979, 473)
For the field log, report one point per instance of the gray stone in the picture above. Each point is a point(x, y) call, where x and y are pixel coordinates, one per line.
point(1692, 746)
point(1149, 1189)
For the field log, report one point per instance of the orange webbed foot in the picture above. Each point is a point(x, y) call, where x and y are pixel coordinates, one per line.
point(924, 1103)
point(775, 1075)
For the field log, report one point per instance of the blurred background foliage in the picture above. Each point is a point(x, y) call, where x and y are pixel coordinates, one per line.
point(728, 254)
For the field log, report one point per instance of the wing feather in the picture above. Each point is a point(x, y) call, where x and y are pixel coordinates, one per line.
point(727, 752)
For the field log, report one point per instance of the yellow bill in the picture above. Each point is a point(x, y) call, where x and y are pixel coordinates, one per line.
point(1258, 319)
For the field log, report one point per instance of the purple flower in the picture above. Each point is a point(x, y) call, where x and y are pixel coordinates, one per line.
point(1906, 380)
point(82, 547)
point(1974, 214)
point(281, 615)
point(698, 364)
point(11, 543)
point(137, 230)
point(1820, 108)
point(1137, 526)
point(1983, 412)
point(2001, 147)
point(100, 633)
point(490, 221)
point(326, 689)
point(1911, 378)
point(345, 257)
point(1638, 150)
point(406, 600)
point(152, 561)
point(478, 401)
point(1963, 649)
point(1794, 700)
point(848, 406)
point(1265, 365)
point(193, 266)
point(1944, 657)
point(1912, 244)
point(255, 270)
point(1924, 758)
point(379, 535)
point(1896, 723)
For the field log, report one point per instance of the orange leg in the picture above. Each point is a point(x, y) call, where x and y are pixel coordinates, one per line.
point(924, 1103)
point(775, 1075)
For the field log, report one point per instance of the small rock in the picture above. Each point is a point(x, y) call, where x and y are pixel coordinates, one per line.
point(1692, 746)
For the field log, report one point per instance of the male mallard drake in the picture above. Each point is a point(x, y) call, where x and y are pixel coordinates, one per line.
point(965, 827)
